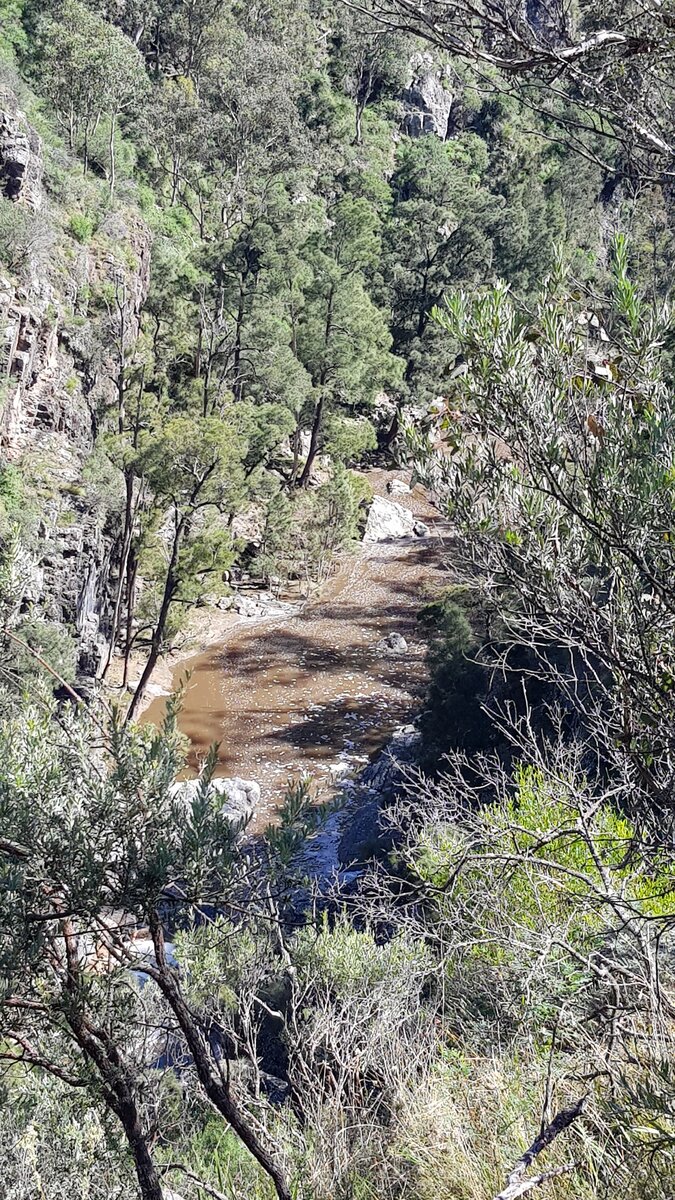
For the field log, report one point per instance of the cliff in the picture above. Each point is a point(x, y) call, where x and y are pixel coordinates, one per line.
point(58, 367)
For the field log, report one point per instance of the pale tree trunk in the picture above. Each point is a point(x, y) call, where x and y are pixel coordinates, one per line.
point(111, 148)
point(313, 443)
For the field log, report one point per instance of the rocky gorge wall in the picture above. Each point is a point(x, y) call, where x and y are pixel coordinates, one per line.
point(57, 372)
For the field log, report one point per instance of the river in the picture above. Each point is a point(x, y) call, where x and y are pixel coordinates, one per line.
point(311, 693)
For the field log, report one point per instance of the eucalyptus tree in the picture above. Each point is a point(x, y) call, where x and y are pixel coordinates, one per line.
point(369, 61)
point(89, 70)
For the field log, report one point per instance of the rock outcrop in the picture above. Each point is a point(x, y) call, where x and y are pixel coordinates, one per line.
point(428, 100)
point(363, 833)
point(56, 368)
point(20, 156)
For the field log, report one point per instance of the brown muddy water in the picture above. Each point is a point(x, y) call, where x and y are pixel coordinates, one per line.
point(310, 693)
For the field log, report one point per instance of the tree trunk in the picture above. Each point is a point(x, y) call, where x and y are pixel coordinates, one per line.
point(323, 378)
point(111, 148)
point(120, 1084)
point(236, 365)
point(175, 179)
point(358, 132)
point(313, 443)
point(124, 559)
point(170, 585)
point(198, 349)
point(146, 1172)
point(150, 664)
point(120, 297)
point(296, 443)
point(387, 439)
point(132, 569)
point(216, 1090)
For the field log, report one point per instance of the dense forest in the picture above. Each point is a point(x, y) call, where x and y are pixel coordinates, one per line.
point(250, 252)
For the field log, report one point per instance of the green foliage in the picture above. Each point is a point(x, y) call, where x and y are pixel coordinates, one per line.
point(21, 669)
point(81, 227)
point(346, 961)
point(12, 33)
point(192, 463)
point(453, 718)
point(89, 70)
point(347, 439)
point(332, 521)
point(301, 244)
point(51, 1136)
point(11, 494)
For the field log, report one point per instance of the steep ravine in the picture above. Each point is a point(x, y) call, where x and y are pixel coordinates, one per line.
point(314, 692)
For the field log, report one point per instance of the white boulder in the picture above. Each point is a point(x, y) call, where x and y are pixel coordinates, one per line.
point(238, 798)
point(392, 644)
point(398, 487)
point(388, 520)
point(245, 606)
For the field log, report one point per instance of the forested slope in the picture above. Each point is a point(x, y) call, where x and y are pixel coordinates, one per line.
point(311, 189)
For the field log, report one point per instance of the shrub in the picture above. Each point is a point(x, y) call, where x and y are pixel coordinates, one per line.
point(53, 643)
point(453, 717)
point(25, 237)
point(81, 227)
point(347, 439)
point(11, 490)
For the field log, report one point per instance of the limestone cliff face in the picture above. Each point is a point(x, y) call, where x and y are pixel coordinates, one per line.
point(57, 370)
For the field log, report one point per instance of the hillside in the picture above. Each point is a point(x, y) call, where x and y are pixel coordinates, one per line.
point(337, 601)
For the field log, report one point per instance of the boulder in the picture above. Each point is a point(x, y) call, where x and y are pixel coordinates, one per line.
point(245, 606)
point(387, 521)
point(392, 644)
point(398, 487)
point(238, 798)
point(339, 770)
point(362, 838)
point(420, 529)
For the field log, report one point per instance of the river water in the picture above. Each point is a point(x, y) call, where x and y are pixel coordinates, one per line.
point(311, 693)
